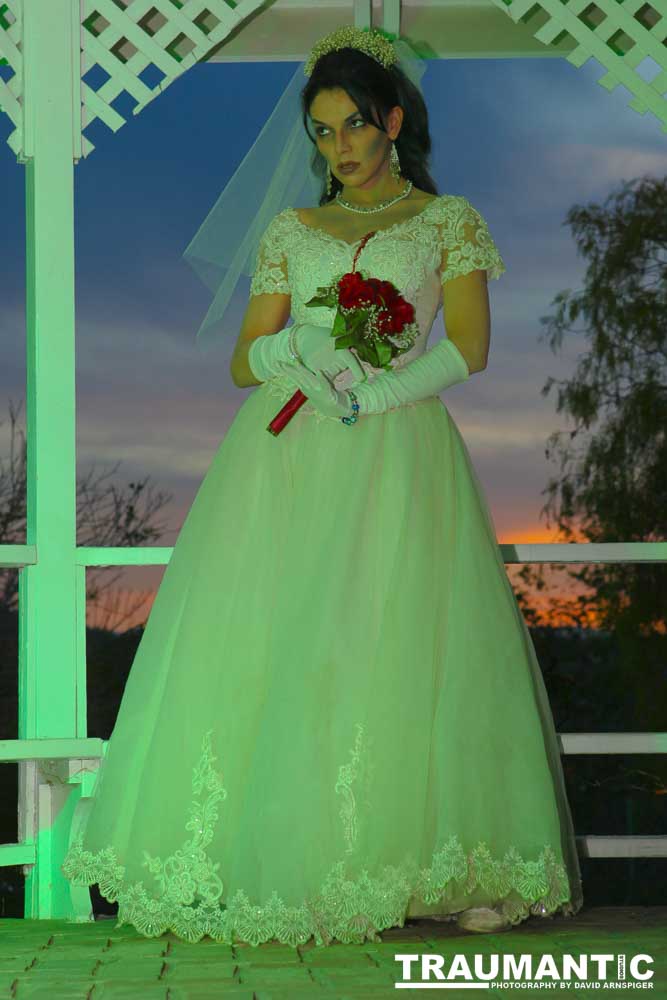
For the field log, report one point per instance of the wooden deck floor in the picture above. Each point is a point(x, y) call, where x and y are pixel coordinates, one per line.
point(56, 960)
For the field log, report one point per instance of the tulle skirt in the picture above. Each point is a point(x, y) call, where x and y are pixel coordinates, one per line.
point(335, 719)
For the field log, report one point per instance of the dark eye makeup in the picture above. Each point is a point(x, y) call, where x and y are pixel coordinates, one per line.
point(355, 121)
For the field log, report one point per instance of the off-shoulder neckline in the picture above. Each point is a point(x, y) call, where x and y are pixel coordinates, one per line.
point(378, 232)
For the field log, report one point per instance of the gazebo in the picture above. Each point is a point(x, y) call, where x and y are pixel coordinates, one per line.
point(63, 64)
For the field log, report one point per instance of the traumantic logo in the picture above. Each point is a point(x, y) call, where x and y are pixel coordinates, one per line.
point(545, 972)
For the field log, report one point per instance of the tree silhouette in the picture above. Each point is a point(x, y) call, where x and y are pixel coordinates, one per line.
point(105, 516)
point(612, 481)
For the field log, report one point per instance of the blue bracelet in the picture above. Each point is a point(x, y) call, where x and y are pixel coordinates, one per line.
point(355, 408)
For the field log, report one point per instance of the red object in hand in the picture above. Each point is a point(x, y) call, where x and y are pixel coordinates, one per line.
point(282, 418)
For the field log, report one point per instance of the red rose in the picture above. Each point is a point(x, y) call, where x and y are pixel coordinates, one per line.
point(351, 290)
point(405, 311)
point(402, 313)
point(374, 288)
point(388, 292)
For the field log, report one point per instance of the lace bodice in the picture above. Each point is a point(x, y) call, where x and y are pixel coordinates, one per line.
point(419, 255)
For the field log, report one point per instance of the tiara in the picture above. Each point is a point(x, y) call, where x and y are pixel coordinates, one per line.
point(372, 41)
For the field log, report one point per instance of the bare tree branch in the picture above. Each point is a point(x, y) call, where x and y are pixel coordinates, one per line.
point(106, 516)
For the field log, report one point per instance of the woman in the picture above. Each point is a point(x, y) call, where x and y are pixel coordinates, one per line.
point(335, 718)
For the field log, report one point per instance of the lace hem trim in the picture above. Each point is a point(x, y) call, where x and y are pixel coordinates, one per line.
point(345, 909)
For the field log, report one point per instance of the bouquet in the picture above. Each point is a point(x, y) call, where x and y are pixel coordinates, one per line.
point(372, 318)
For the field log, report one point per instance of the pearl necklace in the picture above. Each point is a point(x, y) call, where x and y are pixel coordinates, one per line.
point(380, 207)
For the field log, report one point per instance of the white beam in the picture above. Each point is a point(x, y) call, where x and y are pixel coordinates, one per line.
point(442, 29)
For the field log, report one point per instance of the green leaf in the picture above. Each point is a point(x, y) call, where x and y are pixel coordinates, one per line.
point(357, 320)
point(383, 353)
point(339, 325)
point(347, 340)
point(328, 300)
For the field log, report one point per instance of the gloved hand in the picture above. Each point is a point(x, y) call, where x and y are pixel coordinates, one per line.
point(319, 389)
point(436, 369)
point(315, 345)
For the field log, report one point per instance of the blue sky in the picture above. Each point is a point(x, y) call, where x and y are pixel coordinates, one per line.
point(522, 139)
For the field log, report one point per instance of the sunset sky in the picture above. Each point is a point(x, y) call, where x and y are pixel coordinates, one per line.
point(522, 139)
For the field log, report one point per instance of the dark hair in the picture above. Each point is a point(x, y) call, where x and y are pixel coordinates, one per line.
point(373, 89)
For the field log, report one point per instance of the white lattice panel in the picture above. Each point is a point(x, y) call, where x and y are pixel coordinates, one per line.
point(11, 89)
point(139, 46)
point(162, 38)
point(620, 34)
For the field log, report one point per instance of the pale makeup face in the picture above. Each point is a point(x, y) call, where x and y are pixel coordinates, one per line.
point(342, 135)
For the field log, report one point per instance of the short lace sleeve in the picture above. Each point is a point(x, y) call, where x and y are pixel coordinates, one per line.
point(271, 273)
point(466, 242)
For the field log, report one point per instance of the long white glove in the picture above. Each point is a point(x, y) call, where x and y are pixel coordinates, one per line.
point(436, 369)
point(314, 344)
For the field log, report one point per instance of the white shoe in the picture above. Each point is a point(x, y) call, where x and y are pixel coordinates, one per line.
point(482, 919)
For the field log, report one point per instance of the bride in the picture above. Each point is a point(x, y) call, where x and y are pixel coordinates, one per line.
point(335, 719)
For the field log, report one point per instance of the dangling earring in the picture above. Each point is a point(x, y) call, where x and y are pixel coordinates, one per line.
point(328, 179)
point(394, 163)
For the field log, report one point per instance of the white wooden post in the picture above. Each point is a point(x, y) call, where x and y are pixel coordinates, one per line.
point(47, 634)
